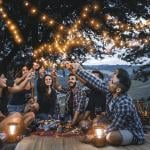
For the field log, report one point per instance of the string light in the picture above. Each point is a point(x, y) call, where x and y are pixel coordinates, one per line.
point(44, 17)
point(61, 27)
point(4, 15)
point(67, 37)
point(86, 8)
point(126, 26)
point(62, 48)
point(12, 27)
point(8, 22)
point(51, 22)
point(33, 11)
point(26, 3)
point(84, 15)
point(96, 7)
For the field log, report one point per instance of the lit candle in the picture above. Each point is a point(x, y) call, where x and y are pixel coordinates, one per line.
point(12, 132)
point(99, 133)
point(12, 129)
point(99, 137)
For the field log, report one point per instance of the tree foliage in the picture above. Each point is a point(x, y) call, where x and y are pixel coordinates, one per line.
point(65, 11)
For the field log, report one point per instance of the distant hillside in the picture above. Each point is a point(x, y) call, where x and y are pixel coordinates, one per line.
point(109, 68)
point(140, 89)
point(106, 69)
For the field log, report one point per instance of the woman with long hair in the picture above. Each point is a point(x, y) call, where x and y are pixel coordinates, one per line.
point(18, 101)
point(47, 99)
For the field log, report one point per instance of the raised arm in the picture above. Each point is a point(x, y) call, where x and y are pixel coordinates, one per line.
point(88, 77)
point(21, 86)
point(56, 83)
point(19, 80)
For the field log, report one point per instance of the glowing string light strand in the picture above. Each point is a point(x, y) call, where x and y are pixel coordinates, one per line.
point(12, 27)
point(71, 31)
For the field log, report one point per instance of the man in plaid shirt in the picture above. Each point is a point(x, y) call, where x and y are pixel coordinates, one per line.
point(125, 126)
point(76, 99)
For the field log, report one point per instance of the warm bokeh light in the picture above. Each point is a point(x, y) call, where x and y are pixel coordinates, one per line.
point(99, 133)
point(61, 27)
point(1, 9)
point(26, 3)
point(66, 37)
point(51, 22)
point(126, 26)
point(12, 129)
point(8, 22)
point(12, 27)
point(1, 1)
point(4, 15)
point(44, 17)
point(33, 11)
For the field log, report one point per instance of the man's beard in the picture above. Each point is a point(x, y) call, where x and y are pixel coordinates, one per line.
point(72, 85)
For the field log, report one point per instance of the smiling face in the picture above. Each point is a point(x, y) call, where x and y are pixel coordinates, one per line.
point(72, 81)
point(48, 80)
point(25, 70)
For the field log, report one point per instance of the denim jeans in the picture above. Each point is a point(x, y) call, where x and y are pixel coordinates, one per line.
point(15, 108)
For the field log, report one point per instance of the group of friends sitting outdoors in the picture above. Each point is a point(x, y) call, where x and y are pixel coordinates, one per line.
point(34, 94)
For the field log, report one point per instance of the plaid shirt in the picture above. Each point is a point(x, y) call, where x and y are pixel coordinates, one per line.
point(120, 110)
point(80, 98)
